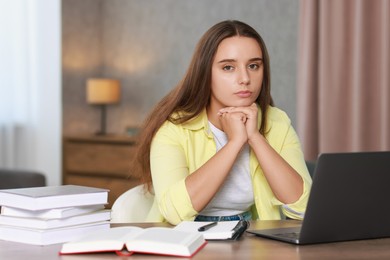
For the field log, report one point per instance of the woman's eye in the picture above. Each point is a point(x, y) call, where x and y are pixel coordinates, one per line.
point(253, 66)
point(228, 67)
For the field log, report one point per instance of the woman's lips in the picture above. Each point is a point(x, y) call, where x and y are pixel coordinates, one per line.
point(244, 94)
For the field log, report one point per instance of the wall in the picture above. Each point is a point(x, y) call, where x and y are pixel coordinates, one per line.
point(147, 45)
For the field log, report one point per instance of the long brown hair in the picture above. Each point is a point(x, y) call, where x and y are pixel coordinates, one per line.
point(193, 93)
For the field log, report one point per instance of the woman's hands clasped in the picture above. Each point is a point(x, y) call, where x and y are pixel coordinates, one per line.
point(239, 123)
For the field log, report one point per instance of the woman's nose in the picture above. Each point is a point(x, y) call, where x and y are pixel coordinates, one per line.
point(244, 77)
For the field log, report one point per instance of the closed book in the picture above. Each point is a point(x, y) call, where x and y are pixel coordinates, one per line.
point(42, 223)
point(49, 197)
point(130, 240)
point(43, 237)
point(50, 213)
point(223, 230)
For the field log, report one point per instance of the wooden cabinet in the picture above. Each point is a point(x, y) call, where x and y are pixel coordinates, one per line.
point(100, 161)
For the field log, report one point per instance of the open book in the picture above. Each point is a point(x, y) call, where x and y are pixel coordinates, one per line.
point(223, 230)
point(129, 240)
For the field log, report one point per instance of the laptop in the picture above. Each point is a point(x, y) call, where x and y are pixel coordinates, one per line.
point(349, 200)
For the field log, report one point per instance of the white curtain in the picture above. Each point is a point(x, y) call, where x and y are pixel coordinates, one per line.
point(30, 86)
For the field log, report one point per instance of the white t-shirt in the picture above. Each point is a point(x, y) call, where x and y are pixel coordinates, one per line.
point(236, 193)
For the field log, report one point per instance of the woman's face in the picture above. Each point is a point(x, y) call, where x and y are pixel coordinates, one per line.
point(236, 73)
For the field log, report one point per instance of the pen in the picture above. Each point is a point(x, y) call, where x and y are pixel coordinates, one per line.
point(208, 226)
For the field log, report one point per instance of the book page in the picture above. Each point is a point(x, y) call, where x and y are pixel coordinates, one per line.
point(165, 241)
point(117, 233)
point(112, 239)
point(160, 234)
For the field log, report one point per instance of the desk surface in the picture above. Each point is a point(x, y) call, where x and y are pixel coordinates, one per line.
point(248, 247)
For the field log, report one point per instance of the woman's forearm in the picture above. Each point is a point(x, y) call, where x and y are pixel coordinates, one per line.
point(204, 183)
point(285, 182)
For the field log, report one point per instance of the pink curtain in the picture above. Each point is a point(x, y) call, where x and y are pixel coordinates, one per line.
point(343, 86)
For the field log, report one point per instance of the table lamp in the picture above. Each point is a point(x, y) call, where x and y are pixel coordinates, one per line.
point(102, 92)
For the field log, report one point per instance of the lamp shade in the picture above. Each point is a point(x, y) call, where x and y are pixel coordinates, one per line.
point(103, 91)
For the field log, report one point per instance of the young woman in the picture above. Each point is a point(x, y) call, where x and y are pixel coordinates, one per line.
point(215, 148)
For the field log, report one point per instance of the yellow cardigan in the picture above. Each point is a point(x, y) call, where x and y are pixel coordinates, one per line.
point(179, 150)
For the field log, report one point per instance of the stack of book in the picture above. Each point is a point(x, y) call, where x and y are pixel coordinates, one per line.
point(52, 214)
